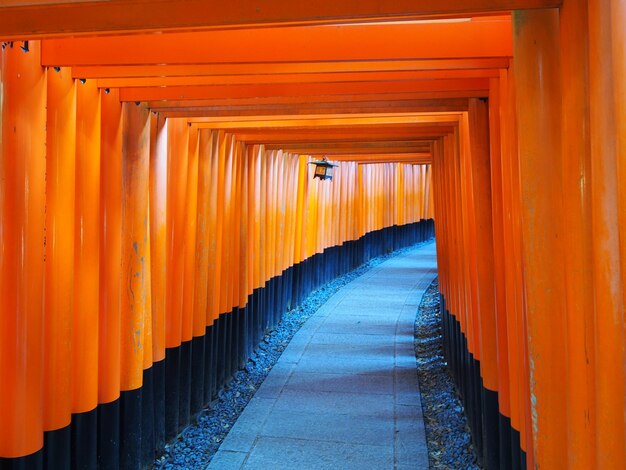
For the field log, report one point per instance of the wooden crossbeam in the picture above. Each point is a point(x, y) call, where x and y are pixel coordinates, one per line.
point(24, 19)
point(471, 39)
point(279, 68)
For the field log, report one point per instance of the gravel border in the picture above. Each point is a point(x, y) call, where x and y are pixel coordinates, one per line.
point(447, 432)
point(197, 444)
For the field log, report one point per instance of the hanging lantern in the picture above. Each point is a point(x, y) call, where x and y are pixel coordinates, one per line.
point(323, 169)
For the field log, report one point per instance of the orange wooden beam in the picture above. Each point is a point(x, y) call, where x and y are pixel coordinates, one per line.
point(269, 136)
point(439, 103)
point(403, 162)
point(274, 68)
point(300, 78)
point(41, 18)
point(407, 162)
point(390, 157)
point(327, 100)
point(354, 150)
point(319, 109)
point(337, 146)
point(470, 39)
point(461, 87)
point(301, 122)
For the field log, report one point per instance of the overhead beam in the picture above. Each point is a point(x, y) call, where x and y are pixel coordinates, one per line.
point(312, 108)
point(404, 161)
point(471, 39)
point(387, 157)
point(278, 68)
point(370, 145)
point(423, 95)
point(351, 151)
point(41, 18)
point(297, 122)
point(408, 162)
point(460, 86)
point(321, 100)
point(269, 136)
point(300, 78)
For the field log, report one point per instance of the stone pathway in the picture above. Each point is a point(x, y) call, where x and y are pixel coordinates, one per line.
point(344, 394)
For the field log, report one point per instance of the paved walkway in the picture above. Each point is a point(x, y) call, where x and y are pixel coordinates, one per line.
point(344, 394)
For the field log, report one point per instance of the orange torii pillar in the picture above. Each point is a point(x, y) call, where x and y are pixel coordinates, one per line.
point(22, 217)
point(177, 148)
point(569, 70)
point(618, 36)
point(136, 326)
point(481, 186)
point(577, 233)
point(511, 333)
point(109, 326)
point(499, 280)
point(538, 88)
point(201, 351)
point(158, 265)
point(86, 294)
point(189, 255)
point(608, 203)
point(59, 265)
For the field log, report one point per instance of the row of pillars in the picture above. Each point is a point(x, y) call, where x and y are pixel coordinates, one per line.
point(531, 208)
point(140, 256)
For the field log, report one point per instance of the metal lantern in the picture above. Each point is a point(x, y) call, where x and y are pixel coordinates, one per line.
point(323, 169)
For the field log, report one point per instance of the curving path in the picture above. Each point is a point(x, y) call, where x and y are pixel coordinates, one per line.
point(344, 394)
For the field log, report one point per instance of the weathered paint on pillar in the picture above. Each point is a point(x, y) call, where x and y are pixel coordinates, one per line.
point(609, 341)
point(136, 287)
point(158, 232)
point(537, 80)
point(576, 168)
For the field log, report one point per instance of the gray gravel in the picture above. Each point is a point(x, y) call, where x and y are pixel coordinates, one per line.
point(198, 443)
point(447, 432)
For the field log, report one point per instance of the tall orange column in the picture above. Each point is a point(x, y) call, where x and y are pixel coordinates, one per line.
point(86, 274)
point(618, 43)
point(203, 237)
point(176, 198)
point(576, 169)
point(499, 257)
point(189, 257)
point(59, 273)
point(191, 209)
point(537, 81)
point(109, 327)
point(22, 217)
point(300, 241)
point(158, 233)
point(136, 294)
point(609, 341)
point(216, 216)
point(481, 182)
point(110, 248)
point(177, 148)
point(512, 262)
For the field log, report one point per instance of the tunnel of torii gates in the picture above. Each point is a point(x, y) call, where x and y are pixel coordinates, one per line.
point(158, 211)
